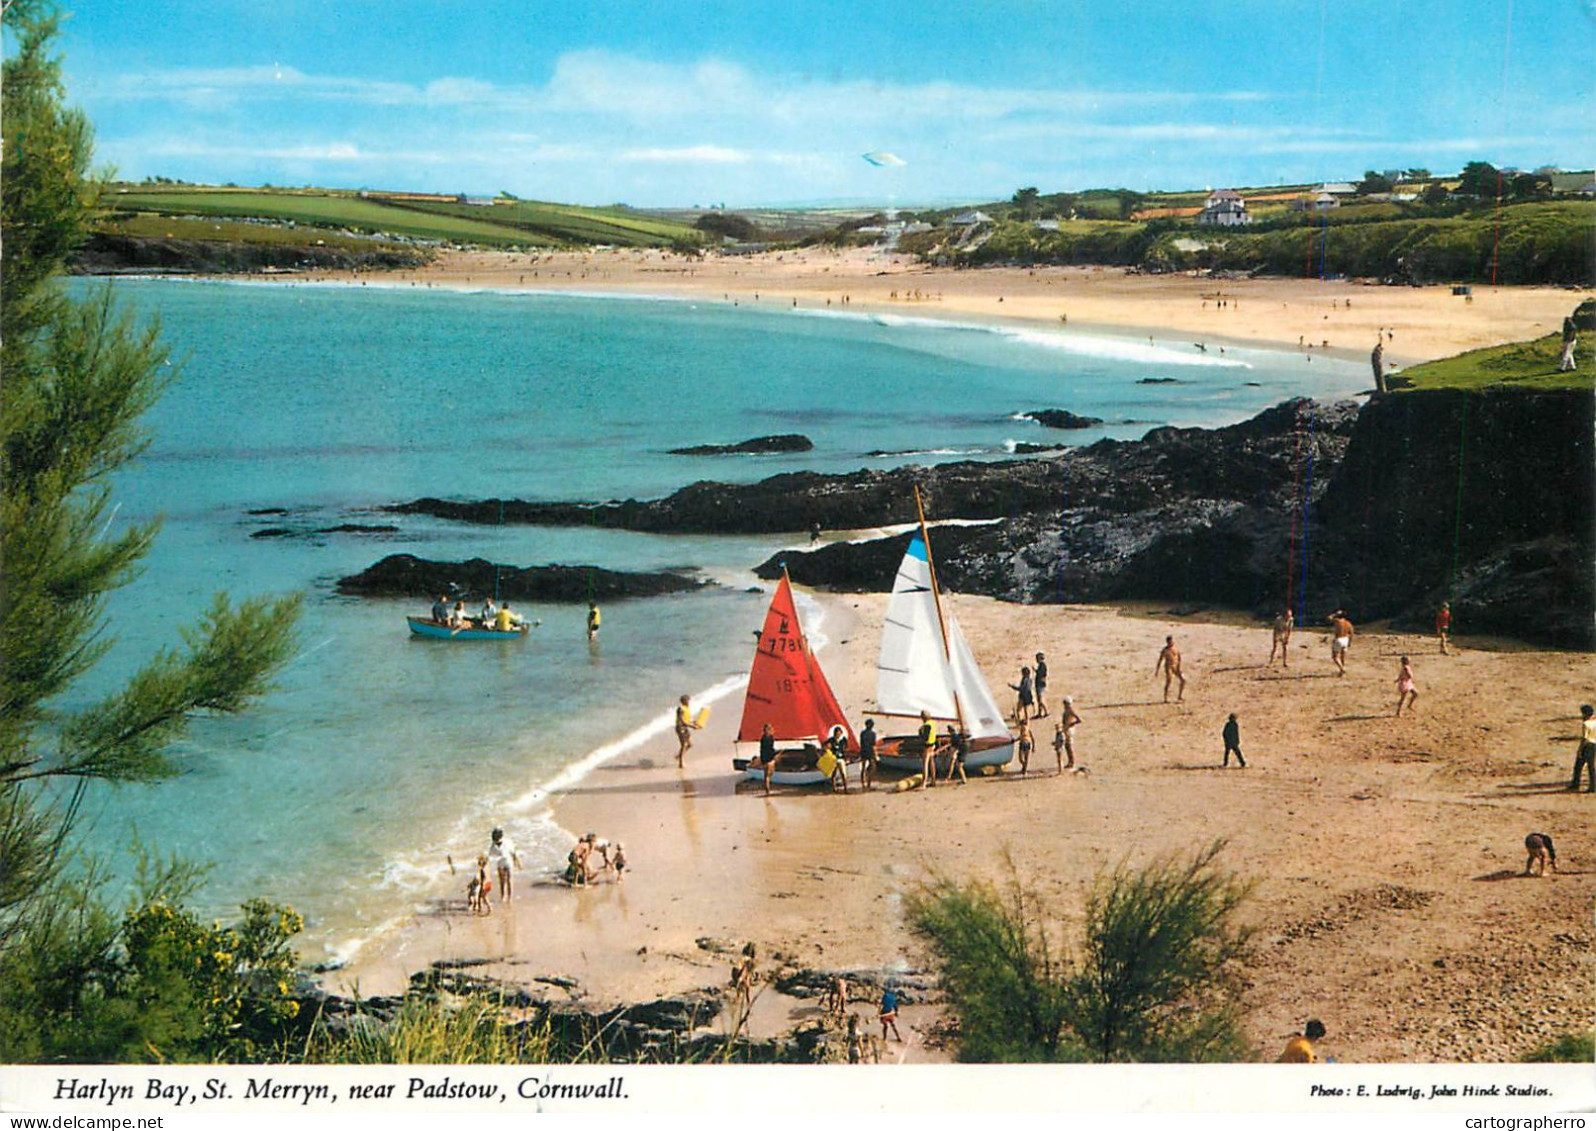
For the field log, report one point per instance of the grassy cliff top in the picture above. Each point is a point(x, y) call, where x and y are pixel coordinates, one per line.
point(1517, 365)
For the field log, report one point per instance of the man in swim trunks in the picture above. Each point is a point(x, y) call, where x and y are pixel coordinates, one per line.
point(1341, 640)
point(1041, 685)
point(889, 1014)
point(1023, 745)
point(867, 754)
point(684, 727)
point(1169, 662)
point(1282, 638)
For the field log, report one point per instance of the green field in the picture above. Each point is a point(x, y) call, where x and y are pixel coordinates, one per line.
point(517, 224)
point(1518, 365)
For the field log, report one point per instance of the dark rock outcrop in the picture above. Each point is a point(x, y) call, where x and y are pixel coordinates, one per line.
point(1484, 498)
point(312, 532)
point(760, 445)
point(1060, 418)
point(405, 575)
point(106, 253)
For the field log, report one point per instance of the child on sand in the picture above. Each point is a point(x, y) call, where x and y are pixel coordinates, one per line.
point(1232, 737)
point(1023, 746)
point(1406, 691)
point(480, 889)
point(1541, 854)
point(618, 862)
point(1443, 625)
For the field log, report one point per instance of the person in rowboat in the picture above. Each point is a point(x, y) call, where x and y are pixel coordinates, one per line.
point(489, 614)
point(507, 620)
point(440, 610)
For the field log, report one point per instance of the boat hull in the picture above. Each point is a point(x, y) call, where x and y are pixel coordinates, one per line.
point(432, 630)
point(983, 752)
point(755, 772)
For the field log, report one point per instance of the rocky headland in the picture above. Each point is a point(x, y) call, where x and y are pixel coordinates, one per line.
point(107, 253)
point(1483, 498)
point(405, 575)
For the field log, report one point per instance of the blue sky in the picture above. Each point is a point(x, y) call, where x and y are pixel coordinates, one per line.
point(765, 103)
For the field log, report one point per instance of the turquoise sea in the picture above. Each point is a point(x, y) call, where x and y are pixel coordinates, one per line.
point(380, 756)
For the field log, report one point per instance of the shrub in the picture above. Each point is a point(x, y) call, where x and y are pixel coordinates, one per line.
point(1155, 981)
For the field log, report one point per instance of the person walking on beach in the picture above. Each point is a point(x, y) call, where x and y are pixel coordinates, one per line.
point(1169, 663)
point(502, 855)
point(1340, 640)
point(685, 726)
point(1024, 698)
point(1443, 625)
point(1406, 691)
point(1586, 757)
point(594, 618)
point(1232, 737)
point(1282, 638)
point(889, 1014)
point(1041, 685)
point(867, 754)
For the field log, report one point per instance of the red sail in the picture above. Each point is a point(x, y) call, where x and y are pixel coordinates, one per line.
point(786, 687)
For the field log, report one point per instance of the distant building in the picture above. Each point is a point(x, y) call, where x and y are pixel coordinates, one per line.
point(1338, 189)
point(968, 218)
point(1325, 202)
point(1048, 225)
point(1576, 183)
point(1225, 209)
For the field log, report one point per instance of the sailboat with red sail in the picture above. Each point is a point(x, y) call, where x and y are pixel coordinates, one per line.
point(788, 690)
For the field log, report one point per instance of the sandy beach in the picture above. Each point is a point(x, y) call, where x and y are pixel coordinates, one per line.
point(1308, 314)
point(1385, 852)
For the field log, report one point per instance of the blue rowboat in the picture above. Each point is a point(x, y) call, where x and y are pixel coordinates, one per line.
point(754, 771)
point(431, 628)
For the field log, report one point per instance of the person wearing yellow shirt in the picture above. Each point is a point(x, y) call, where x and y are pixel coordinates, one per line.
point(594, 617)
point(928, 740)
point(1300, 1050)
point(507, 621)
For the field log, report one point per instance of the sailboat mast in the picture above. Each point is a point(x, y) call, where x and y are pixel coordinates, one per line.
point(936, 597)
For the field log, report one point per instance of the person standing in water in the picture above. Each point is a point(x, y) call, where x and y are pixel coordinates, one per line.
point(594, 617)
point(503, 857)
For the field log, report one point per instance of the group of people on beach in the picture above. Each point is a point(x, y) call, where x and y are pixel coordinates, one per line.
point(592, 857)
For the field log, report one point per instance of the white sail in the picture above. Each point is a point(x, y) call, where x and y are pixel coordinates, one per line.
point(982, 716)
point(913, 674)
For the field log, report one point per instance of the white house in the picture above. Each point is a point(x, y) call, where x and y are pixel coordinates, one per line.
point(966, 218)
point(1225, 209)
